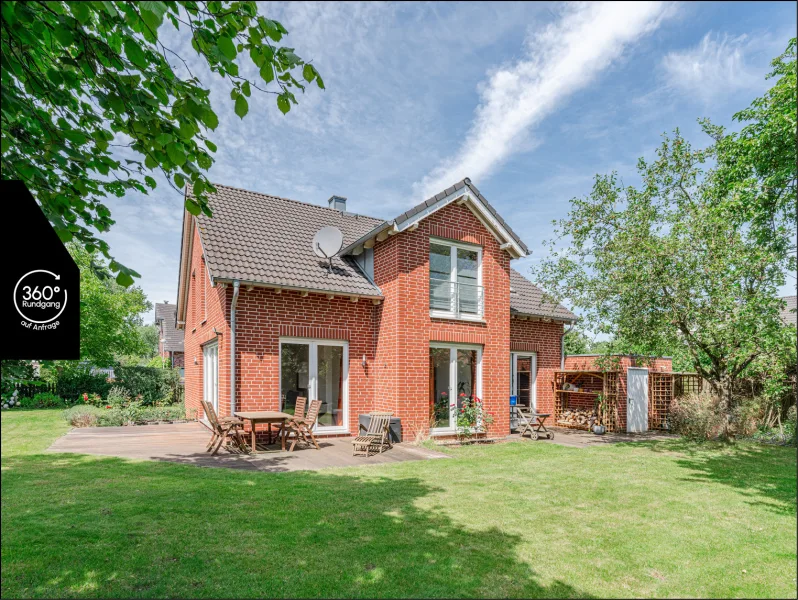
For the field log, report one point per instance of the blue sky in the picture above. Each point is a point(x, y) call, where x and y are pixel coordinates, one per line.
point(529, 100)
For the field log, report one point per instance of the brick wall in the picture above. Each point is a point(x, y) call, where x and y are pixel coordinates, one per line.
point(405, 329)
point(199, 330)
point(588, 363)
point(394, 336)
point(544, 339)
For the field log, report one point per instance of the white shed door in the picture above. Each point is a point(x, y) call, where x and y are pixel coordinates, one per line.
point(636, 400)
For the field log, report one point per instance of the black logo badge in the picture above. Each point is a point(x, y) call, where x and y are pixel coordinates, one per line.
point(41, 290)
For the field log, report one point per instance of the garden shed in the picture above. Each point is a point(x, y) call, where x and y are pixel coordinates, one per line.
point(625, 393)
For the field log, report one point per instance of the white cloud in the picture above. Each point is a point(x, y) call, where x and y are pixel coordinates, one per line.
point(563, 58)
point(717, 66)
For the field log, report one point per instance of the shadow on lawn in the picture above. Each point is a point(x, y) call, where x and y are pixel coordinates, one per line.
point(87, 526)
point(754, 470)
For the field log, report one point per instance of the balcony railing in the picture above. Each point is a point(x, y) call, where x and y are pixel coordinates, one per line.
point(456, 299)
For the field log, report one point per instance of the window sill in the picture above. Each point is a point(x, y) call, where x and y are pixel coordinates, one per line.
point(453, 317)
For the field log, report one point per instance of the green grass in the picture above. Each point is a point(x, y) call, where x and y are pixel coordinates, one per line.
point(522, 519)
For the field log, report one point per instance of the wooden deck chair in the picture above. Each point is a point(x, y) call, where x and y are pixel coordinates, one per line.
point(377, 436)
point(303, 428)
point(227, 432)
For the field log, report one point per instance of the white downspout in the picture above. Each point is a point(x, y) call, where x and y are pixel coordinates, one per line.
point(236, 286)
point(562, 344)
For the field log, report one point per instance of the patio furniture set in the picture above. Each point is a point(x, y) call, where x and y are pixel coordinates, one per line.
point(230, 433)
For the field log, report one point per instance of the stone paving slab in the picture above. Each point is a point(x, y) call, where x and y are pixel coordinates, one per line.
point(185, 443)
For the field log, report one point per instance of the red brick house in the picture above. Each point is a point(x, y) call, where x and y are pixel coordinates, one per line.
point(411, 312)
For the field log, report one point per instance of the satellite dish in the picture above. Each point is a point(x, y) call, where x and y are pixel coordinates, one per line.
point(327, 242)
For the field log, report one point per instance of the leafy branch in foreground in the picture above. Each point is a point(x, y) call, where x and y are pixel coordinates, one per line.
point(86, 82)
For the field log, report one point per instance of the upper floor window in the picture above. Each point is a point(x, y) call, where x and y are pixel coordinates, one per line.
point(455, 280)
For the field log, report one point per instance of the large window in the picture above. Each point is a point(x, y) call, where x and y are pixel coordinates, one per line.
point(455, 274)
point(315, 369)
point(454, 375)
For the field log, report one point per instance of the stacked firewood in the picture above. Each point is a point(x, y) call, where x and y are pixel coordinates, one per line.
point(576, 417)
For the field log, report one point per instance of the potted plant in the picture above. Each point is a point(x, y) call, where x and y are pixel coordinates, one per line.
point(602, 406)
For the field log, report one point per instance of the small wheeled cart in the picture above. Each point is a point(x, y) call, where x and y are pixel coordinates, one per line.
point(533, 422)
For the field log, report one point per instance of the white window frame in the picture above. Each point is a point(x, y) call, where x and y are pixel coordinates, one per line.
point(452, 314)
point(453, 348)
point(514, 356)
point(313, 384)
point(210, 377)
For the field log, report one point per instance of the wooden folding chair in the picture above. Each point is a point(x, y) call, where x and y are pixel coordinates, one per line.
point(303, 428)
point(299, 413)
point(377, 436)
point(228, 431)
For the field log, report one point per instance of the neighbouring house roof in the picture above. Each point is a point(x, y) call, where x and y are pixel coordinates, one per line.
point(788, 313)
point(528, 299)
point(264, 239)
point(462, 190)
point(173, 337)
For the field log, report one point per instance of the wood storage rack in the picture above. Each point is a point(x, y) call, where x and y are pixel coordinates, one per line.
point(590, 384)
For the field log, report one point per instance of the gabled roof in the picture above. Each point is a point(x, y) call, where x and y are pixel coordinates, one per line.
point(788, 313)
point(462, 191)
point(528, 299)
point(257, 238)
point(173, 337)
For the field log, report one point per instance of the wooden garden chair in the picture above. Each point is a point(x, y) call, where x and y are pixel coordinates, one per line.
point(228, 431)
point(302, 428)
point(377, 436)
point(299, 413)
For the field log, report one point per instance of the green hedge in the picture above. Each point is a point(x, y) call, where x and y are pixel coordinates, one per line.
point(73, 383)
point(148, 384)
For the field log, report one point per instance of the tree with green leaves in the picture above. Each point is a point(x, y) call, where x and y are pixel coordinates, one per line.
point(83, 82)
point(755, 177)
point(659, 267)
point(692, 259)
point(110, 314)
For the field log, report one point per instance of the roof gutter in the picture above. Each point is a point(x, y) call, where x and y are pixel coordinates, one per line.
point(236, 289)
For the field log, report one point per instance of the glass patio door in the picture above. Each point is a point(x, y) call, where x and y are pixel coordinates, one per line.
point(316, 370)
point(524, 374)
point(210, 375)
point(455, 374)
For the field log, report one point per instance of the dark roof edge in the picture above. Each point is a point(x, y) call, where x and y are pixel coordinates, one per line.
point(267, 284)
point(515, 312)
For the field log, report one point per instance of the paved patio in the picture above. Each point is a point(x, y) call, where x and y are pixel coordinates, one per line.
point(577, 438)
point(185, 443)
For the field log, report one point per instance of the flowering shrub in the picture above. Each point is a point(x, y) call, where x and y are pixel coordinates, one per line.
point(91, 399)
point(11, 400)
point(471, 416)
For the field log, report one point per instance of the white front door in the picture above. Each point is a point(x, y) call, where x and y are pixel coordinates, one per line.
point(316, 370)
point(210, 374)
point(636, 400)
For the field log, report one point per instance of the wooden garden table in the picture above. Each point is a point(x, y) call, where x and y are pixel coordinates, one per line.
point(264, 416)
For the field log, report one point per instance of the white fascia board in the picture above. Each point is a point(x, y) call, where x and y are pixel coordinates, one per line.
point(479, 209)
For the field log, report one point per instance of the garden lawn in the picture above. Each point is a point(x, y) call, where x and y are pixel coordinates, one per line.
point(520, 519)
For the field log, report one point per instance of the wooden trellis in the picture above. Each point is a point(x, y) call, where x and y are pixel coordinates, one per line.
point(660, 394)
point(590, 384)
